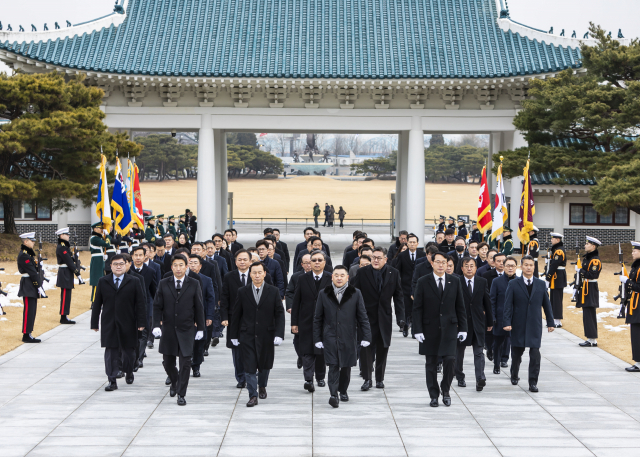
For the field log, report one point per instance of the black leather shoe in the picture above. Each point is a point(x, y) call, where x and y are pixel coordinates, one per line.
point(150, 344)
point(480, 383)
point(206, 353)
point(262, 393)
point(434, 403)
point(120, 375)
point(344, 396)
point(308, 385)
point(379, 385)
point(490, 356)
point(26, 338)
point(496, 370)
point(181, 400)
point(129, 378)
point(136, 365)
point(167, 382)
point(558, 325)
point(632, 369)
point(196, 373)
point(215, 341)
point(299, 362)
point(439, 368)
point(321, 383)
point(366, 386)
point(140, 364)
point(588, 344)
point(333, 401)
point(111, 387)
point(253, 401)
point(241, 385)
point(533, 388)
point(462, 383)
point(446, 399)
point(172, 391)
point(65, 320)
point(504, 364)
point(514, 381)
point(405, 331)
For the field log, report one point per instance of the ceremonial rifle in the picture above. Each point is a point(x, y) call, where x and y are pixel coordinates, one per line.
point(577, 281)
point(41, 276)
point(546, 262)
point(621, 289)
point(76, 257)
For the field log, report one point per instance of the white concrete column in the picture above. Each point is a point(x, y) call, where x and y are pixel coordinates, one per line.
point(401, 182)
point(415, 180)
point(219, 145)
point(224, 183)
point(206, 179)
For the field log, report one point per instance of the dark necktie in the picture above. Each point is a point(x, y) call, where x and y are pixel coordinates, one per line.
point(440, 286)
point(178, 285)
point(138, 270)
point(413, 259)
point(317, 282)
point(470, 287)
point(117, 283)
point(244, 281)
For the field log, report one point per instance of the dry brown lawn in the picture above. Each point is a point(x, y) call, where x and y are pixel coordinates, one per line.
point(295, 197)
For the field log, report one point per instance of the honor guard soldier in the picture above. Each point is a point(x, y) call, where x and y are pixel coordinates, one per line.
point(97, 245)
point(556, 277)
point(588, 296)
point(66, 270)
point(451, 223)
point(160, 226)
point(507, 241)
point(172, 227)
point(136, 235)
point(150, 232)
point(533, 249)
point(462, 229)
point(632, 296)
point(114, 240)
point(475, 233)
point(441, 226)
point(30, 285)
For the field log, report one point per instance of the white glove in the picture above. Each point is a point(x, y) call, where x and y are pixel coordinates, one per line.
point(235, 342)
point(623, 279)
point(41, 292)
point(547, 283)
point(80, 280)
point(277, 341)
point(105, 257)
point(420, 337)
point(199, 335)
point(320, 345)
point(462, 336)
point(157, 332)
point(364, 344)
point(576, 267)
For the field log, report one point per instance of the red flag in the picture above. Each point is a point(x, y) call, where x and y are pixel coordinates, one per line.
point(484, 204)
point(138, 215)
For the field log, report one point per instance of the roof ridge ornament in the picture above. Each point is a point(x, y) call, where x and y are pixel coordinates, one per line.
point(118, 8)
point(620, 35)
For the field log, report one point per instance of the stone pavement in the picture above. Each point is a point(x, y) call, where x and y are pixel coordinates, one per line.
point(53, 403)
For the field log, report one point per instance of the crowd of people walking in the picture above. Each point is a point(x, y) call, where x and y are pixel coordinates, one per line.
point(329, 215)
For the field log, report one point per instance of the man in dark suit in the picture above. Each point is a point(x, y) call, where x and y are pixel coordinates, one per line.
point(213, 257)
point(308, 233)
point(257, 325)
point(230, 285)
point(498, 293)
point(162, 257)
point(406, 265)
point(351, 256)
point(226, 255)
point(447, 244)
point(210, 268)
point(379, 283)
point(479, 320)
point(313, 244)
point(290, 293)
point(423, 268)
point(488, 264)
point(283, 247)
point(523, 304)
point(302, 310)
point(150, 285)
point(229, 237)
point(439, 321)
point(149, 262)
point(402, 239)
point(119, 312)
point(459, 251)
point(496, 270)
point(273, 268)
point(179, 310)
point(211, 311)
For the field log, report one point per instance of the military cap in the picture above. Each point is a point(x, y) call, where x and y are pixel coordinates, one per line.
point(556, 235)
point(97, 225)
point(171, 217)
point(506, 228)
point(160, 215)
point(62, 231)
point(593, 240)
point(29, 236)
point(635, 244)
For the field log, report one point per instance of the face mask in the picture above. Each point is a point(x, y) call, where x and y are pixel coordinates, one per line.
point(460, 248)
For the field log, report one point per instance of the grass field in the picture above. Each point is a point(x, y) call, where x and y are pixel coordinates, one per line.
point(295, 197)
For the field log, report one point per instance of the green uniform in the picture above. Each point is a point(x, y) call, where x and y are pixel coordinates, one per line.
point(97, 247)
point(172, 230)
point(150, 234)
point(507, 245)
point(160, 230)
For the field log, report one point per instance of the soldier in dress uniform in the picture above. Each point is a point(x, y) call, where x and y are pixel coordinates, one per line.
point(507, 241)
point(66, 270)
point(172, 227)
point(97, 245)
point(451, 224)
point(462, 229)
point(441, 226)
point(136, 235)
point(556, 277)
point(30, 285)
point(533, 249)
point(475, 233)
point(150, 233)
point(160, 226)
point(588, 296)
point(632, 295)
point(114, 240)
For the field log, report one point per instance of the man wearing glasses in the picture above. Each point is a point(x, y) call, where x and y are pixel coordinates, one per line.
point(379, 283)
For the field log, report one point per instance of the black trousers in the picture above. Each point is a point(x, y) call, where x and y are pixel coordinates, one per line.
point(313, 363)
point(635, 341)
point(375, 351)
point(315, 219)
point(501, 348)
point(408, 310)
point(198, 354)
point(555, 296)
point(534, 363)
point(179, 379)
point(478, 361)
point(488, 341)
point(238, 366)
point(208, 336)
point(590, 322)
point(431, 362)
point(341, 222)
point(29, 314)
point(65, 301)
point(116, 359)
point(339, 379)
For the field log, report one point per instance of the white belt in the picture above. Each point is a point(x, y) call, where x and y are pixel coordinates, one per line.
point(62, 266)
point(535, 260)
point(111, 250)
point(592, 280)
point(97, 254)
point(26, 275)
point(560, 268)
point(96, 247)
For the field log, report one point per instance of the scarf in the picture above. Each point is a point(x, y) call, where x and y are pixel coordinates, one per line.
point(339, 292)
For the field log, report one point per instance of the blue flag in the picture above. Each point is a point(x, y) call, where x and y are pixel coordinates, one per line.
point(121, 210)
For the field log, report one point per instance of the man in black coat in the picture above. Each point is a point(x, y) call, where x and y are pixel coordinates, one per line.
point(283, 247)
point(352, 255)
point(406, 265)
point(178, 308)
point(379, 283)
point(439, 320)
point(162, 256)
point(66, 270)
point(212, 257)
point(257, 325)
point(313, 244)
point(308, 233)
point(302, 311)
point(338, 338)
point(226, 255)
point(494, 272)
point(119, 312)
point(290, 293)
point(151, 286)
point(211, 311)
point(402, 239)
point(230, 237)
point(231, 284)
point(479, 320)
point(423, 268)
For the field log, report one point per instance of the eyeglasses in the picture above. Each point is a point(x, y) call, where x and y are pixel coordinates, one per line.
point(377, 259)
point(117, 264)
point(317, 260)
point(440, 262)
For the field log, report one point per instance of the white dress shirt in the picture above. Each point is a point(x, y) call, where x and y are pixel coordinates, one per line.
point(117, 280)
point(175, 281)
point(437, 278)
point(466, 282)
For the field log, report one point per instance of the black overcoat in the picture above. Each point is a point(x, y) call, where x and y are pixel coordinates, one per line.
point(406, 267)
point(123, 311)
point(181, 316)
point(439, 319)
point(478, 307)
point(255, 326)
point(303, 309)
point(230, 286)
point(334, 325)
point(498, 292)
point(378, 302)
point(523, 312)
